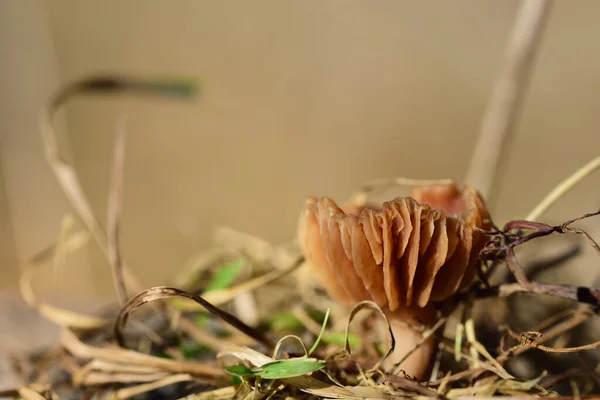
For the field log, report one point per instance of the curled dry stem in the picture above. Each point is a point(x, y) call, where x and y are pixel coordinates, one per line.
point(360, 306)
point(283, 339)
point(164, 292)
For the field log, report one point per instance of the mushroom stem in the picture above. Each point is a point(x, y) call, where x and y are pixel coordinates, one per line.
point(414, 354)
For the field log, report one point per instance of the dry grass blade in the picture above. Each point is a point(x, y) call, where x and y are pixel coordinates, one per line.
point(219, 297)
point(187, 277)
point(426, 335)
point(67, 243)
point(245, 354)
point(352, 392)
point(507, 95)
point(202, 336)
point(126, 393)
point(408, 384)
point(222, 296)
point(116, 355)
point(256, 249)
point(494, 365)
point(253, 247)
point(562, 188)
point(283, 339)
point(115, 199)
point(60, 254)
point(29, 393)
point(110, 371)
point(225, 393)
point(106, 378)
point(59, 316)
point(71, 242)
point(165, 292)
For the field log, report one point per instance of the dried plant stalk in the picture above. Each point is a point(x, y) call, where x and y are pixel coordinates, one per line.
point(507, 96)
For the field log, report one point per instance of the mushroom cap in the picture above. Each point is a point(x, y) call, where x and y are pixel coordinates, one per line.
point(409, 252)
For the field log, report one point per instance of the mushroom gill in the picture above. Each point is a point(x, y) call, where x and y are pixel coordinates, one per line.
point(405, 255)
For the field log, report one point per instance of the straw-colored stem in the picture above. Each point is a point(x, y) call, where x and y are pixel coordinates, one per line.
point(563, 188)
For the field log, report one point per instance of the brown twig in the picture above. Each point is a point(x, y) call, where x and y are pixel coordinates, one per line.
point(582, 314)
point(494, 250)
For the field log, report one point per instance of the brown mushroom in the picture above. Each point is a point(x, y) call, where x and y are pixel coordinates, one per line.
point(405, 256)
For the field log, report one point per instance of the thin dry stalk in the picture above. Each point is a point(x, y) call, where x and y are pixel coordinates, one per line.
point(201, 336)
point(424, 337)
point(222, 296)
point(562, 188)
point(126, 393)
point(60, 316)
point(82, 375)
point(115, 199)
point(117, 355)
point(226, 393)
point(507, 95)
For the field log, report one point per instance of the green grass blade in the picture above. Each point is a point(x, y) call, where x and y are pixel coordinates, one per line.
point(225, 275)
point(314, 346)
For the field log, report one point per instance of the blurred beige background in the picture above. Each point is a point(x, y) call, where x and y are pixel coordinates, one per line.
point(299, 98)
